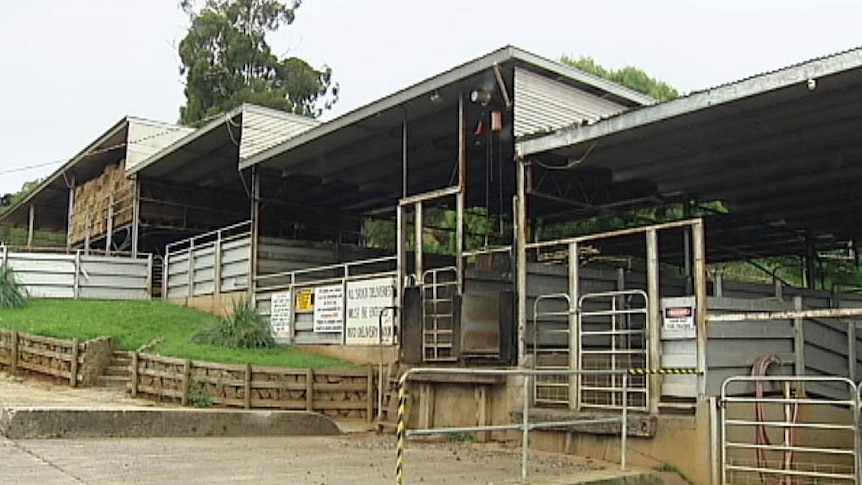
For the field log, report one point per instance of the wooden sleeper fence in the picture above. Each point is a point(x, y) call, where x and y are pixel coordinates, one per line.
point(345, 393)
point(70, 360)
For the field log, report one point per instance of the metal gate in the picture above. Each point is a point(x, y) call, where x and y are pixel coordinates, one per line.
point(612, 336)
point(777, 430)
point(439, 290)
point(551, 351)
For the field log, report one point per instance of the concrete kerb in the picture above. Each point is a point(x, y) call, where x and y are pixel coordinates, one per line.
point(57, 422)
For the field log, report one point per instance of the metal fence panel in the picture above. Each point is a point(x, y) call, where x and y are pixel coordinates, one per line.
point(78, 275)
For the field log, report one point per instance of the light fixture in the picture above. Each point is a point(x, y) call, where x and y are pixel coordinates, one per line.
point(435, 98)
point(481, 97)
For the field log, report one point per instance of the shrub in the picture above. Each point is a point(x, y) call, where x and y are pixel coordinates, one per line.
point(242, 329)
point(12, 293)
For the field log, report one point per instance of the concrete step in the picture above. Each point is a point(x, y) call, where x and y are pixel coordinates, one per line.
point(113, 370)
point(113, 381)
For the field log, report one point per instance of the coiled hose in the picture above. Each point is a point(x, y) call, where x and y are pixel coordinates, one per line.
point(760, 368)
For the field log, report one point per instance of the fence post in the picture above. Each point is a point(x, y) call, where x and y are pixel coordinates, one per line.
point(369, 394)
point(73, 367)
point(134, 374)
point(624, 432)
point(5, 255)
point(187, 374)
point(247, 387)
point(309, 389)
point(525, 430)
point(217, 262)
point(191, 274)
point(76, 285)
point(13, 364)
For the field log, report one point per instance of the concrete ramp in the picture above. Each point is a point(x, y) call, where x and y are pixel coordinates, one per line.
point(57, 422)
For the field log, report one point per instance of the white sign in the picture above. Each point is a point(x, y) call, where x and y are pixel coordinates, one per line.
point(329, 309)
point(281, 314)
point(365, 302)
point(678, 318)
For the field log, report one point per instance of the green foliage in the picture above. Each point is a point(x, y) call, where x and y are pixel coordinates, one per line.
point(12, 294)
point(227, 61)
point(199, 397)
point(133, 324)
point(244, 328)
point(628, 76)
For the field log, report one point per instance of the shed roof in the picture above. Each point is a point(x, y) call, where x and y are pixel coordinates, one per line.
point(783, 147)
point(360, 153)
point(50, 197)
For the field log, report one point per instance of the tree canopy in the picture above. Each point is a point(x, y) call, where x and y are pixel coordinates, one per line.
point(630, 77)
point(226, 61)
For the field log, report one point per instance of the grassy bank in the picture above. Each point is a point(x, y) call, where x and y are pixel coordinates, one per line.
point(133, 324)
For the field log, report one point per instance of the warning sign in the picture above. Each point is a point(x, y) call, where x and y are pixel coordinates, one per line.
point(678, 318)
point(280, 314)
point(329, 309)
point(305, 300)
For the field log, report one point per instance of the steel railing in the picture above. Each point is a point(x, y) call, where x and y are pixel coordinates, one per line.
point(802, 429)
point(554, 389)
point(611, 339)
point(328, 274)
point(439, 289)
point(525, 426)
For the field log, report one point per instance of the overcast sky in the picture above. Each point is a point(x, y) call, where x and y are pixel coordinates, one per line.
point(69, 69)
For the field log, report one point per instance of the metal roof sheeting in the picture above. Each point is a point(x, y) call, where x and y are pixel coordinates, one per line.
point(783, 147)
point(543, 104)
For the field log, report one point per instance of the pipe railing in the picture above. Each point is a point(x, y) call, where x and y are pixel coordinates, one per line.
point(792, 398)
point(525, 426)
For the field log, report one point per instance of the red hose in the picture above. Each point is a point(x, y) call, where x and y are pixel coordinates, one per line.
point(760, 368)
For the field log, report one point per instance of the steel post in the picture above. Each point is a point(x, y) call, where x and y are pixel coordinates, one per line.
point(702, 335)
point(574, 328)
point(521, 261)
point(654, 319)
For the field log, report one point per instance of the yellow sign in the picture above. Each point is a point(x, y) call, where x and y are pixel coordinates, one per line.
point(305, 300)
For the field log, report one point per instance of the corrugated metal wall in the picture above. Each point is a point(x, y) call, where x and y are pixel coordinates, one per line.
point(733, 346)
point(278, 256)
point(47, 275)
point(264, 128)
point(542, 104)
point(227, 262)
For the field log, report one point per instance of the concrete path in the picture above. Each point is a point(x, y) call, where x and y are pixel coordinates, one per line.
point(355, 458)
point(348, 460)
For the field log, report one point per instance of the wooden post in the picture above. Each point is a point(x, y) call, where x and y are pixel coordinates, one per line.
point(134, 374)
point(309, 389)
point(247, 387)
point(109, 223)
point(369, 394)
point(187, 375)
point(31, 222)
point(73, 367)
point(13, 360)
point(482, 414)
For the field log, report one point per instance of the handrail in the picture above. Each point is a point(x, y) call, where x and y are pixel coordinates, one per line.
point(292, 274)
point(216, 232)
point(525, 426)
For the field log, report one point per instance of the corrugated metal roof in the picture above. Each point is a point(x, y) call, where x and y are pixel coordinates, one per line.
point(51, 196)
point(773, 147)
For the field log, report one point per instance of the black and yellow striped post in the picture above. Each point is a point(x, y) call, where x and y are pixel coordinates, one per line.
point(670, 371)
point(401, 433)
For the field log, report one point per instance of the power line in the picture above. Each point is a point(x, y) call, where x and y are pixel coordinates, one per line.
point(30, 167)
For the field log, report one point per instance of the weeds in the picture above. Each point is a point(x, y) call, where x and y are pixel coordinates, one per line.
point(12, 293)
point(243, 329)
point(199, 397)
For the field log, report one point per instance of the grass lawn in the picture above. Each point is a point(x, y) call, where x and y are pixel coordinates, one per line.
point(136, 323)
